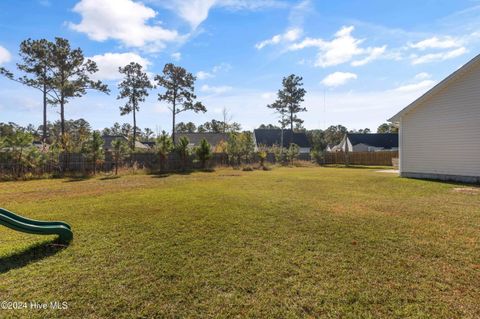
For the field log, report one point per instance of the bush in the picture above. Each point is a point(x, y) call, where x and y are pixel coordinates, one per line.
point(183, 151)
point(203, 152)
point(292, 153)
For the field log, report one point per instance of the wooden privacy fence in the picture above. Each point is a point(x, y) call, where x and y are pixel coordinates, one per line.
point(383, 158)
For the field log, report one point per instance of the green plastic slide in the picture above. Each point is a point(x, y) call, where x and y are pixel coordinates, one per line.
point(31, 226)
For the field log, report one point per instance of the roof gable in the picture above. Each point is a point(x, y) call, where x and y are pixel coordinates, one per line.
point(437, 88)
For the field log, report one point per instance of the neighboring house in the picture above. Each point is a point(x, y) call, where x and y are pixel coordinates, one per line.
point(332, 148)
point(440, 131)
point(271, 137)
point(194, 139)
point(361, 142)
point(150, 144)
point(108, 140)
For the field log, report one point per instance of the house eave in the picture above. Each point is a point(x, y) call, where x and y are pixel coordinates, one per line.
point(437, 88)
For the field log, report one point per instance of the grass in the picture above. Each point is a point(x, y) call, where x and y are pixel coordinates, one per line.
point(291, 242)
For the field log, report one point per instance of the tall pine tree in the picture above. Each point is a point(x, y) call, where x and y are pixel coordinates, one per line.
point(135, 87)
point(179, 92)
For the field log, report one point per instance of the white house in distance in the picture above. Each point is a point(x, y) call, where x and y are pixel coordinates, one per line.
point(440, 132)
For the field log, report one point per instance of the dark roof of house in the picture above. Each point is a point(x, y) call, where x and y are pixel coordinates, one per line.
point(385, 140)
point(195, 138)
point(270, 137)
point(150, 144)
point(108, 139)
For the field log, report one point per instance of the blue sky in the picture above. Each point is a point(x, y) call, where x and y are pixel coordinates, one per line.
point(362, 61)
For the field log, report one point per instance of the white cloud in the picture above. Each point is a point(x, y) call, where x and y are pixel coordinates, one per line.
point(202, 75)
point(251, 4)
point(215, 89)
point(177, 56)
point(5, 56)
point(420, 86)
point(423, 76)
point(268, 95)
point(437, 43)
point(338, 78)
point(109, 63)
point(194, 12)
point(222, 67)
point(342, 49)
point(440, 56)
point(289, 36)
point(123, 20)
point(374, 54)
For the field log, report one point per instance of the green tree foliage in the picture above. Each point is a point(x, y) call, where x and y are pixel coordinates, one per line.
point(134, 88)
point(234, 149)
point(115, 130)
point(292, 153)
point(247, 147)
point(262, 153)
point(163, 147)
point(215, 126)
point(179, 92)
point(289, 99)
point(182, 127)
point(94, 150)
point(34, 55)
point(148, 135)
point(119, 151)
point(317, 139)
point(387, 128)
point(77, 132)
point(278, 152)
point(334, 134)
point(183, 150)
point(240, 146)
point(71, 76)
point(362, 131)
point(16, 146)
point(203, 152)
point(269, 127)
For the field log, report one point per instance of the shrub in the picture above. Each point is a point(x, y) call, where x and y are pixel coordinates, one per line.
point(94, 150)
point(119, 151)
point(262, 155)
point(183, 150)
point(292, 153)
point(163, 147)
point(203, 152)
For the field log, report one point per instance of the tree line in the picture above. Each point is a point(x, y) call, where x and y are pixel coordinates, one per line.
point(62, 73)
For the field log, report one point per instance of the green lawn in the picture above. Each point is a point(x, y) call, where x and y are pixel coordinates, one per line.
point(291, 242)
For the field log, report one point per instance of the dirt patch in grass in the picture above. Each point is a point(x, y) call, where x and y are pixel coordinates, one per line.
point(467, 190)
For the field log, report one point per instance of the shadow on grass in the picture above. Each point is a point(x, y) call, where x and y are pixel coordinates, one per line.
point(169, 173)
point(81, 178)
point(447, 182)
point(106, 178)
point(357, 166)
point(32, 254)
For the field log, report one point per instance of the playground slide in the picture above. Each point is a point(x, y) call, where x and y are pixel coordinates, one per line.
point(31, 226)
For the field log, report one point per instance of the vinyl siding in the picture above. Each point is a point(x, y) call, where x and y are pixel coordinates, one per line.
point(442, 135)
